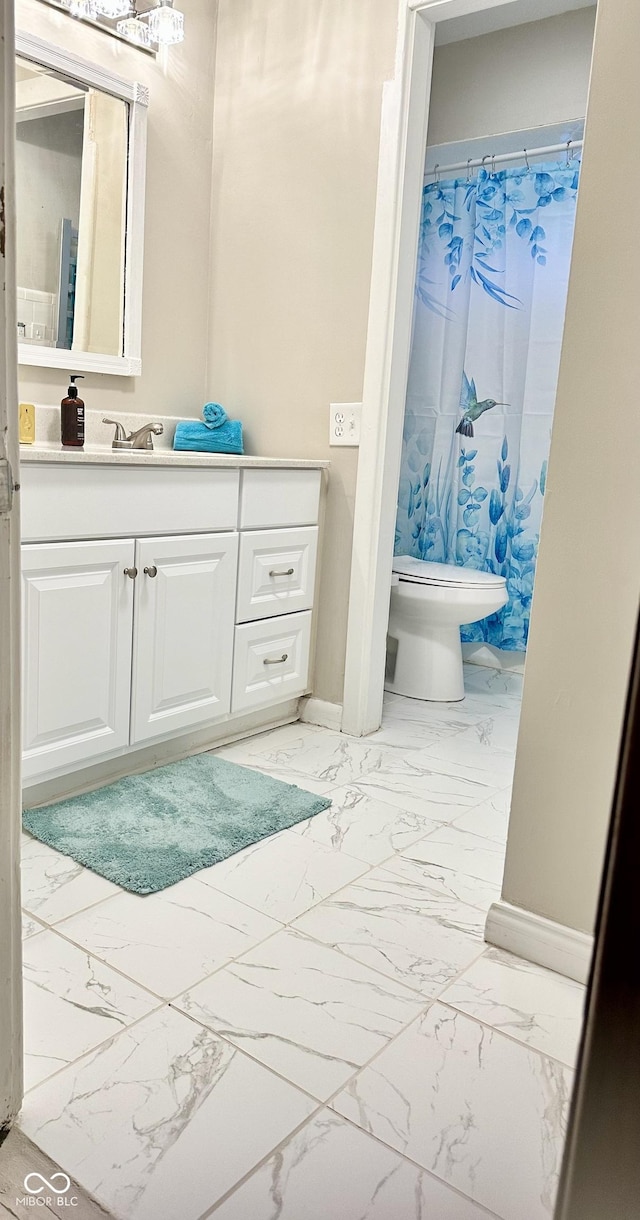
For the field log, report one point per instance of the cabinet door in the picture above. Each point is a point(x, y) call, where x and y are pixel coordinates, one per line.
point(77, 606)
point(183, 632)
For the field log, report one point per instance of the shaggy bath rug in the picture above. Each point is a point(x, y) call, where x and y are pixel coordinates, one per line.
point(148, 831)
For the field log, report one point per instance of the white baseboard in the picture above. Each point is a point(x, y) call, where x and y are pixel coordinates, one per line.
point(318, 711)
point(539, 940)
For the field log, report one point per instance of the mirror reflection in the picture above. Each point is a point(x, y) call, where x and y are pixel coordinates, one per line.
point(71, 188)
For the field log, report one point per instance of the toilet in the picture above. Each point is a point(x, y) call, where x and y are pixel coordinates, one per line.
point(429, 603)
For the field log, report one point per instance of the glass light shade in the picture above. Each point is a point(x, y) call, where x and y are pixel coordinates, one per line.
point(81, 8)
point(113, 8)
point(166, 24)
point(134, 31)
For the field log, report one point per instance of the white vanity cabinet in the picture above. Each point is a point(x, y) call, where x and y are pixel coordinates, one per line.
point(136, 639)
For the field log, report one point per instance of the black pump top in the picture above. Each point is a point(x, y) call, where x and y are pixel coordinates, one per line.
point(73, 389)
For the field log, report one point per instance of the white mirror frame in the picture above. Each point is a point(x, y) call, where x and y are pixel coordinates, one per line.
point(130, 363)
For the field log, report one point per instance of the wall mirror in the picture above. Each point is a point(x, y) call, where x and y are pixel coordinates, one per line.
point(80, 173)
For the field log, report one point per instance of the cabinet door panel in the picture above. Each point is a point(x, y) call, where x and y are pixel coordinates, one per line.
point(77, 622)
point(183, 632)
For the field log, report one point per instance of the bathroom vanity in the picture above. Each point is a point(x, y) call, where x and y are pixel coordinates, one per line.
point(167, 598)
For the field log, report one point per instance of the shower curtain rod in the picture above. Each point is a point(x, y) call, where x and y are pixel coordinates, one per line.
point(524, 153)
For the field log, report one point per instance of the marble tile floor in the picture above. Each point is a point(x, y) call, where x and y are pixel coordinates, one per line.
point(313, 1029)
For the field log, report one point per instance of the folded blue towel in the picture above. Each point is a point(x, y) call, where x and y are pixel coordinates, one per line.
point(218, 434)
point(196, 436)
point(214, 415)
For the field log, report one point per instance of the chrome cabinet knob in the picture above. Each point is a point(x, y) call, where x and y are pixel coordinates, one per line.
point(287, 572)
point(131, 573)
point(276, 660)
point(151, 571)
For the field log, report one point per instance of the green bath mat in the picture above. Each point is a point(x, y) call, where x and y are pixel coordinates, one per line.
point(146, 832)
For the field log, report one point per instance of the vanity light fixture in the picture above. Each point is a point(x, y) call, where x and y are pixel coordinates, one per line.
point(159, 24)
point(81, 8)
point(166, 24)
point(113, 8)
point(134, 30)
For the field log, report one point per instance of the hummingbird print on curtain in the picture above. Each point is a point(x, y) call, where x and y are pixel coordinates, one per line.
point(472, 409)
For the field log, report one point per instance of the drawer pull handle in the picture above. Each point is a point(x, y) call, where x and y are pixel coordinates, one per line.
point(152, 571)
point(288, 572)
point(276, 660)
point(131, 573)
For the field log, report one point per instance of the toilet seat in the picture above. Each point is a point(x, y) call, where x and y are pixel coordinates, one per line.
point(446, 575)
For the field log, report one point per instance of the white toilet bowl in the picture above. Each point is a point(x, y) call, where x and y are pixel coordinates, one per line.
point(429, 604)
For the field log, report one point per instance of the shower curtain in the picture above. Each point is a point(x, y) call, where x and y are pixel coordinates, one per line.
point(491, 286)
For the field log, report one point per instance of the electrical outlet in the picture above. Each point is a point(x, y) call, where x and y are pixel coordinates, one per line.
point(344, 423)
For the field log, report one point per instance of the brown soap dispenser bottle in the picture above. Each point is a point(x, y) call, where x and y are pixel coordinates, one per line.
point(72, 416)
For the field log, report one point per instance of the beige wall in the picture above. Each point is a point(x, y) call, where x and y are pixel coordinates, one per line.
point(175, 323)
point(527, 76)
point(588, 577)
point(296, 133)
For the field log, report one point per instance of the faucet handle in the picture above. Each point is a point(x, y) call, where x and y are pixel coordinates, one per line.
point(120, 434)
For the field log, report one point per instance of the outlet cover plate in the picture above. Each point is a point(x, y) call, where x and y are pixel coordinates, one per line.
point(344, 423)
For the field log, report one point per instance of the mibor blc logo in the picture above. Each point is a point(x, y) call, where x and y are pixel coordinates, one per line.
point(44, 1193)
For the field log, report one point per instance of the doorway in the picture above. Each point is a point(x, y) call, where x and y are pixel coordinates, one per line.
point(407, 107)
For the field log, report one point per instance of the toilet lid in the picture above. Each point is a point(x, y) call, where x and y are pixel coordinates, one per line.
point(422, 571)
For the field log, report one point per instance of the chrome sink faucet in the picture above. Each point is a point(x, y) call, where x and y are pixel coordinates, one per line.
point(142, 439)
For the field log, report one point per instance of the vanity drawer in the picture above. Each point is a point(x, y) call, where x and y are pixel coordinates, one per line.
point(276, 498)
point(276, 573)
point(76, 501)
point(270, 661)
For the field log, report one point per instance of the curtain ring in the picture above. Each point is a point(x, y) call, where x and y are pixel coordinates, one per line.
point(469, 169)
point(436, 173)
point(493, 164)
point(526, 159)
point(569, 152)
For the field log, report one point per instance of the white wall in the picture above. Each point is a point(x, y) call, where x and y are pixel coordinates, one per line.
point(296, 138)
point(176, 269)
point(526, 76)
point(588, 577)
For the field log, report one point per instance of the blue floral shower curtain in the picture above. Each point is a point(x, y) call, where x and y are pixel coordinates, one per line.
point(491, 286)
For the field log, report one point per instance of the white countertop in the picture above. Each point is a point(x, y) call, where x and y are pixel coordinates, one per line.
point(97, 450)
point(104, 455)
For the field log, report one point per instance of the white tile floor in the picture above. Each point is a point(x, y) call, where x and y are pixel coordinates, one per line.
point(313, 1029)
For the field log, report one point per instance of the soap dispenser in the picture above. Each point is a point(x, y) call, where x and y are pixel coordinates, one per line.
point(72, 417)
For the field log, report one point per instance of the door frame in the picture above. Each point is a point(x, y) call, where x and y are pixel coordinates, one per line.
point(11, 1081)
point(403, 138)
